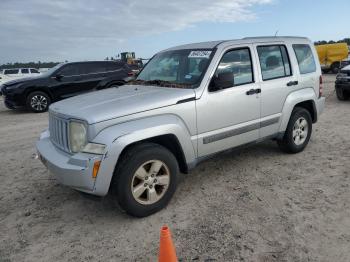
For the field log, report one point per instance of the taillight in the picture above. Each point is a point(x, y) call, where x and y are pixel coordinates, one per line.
point(320, 87)
point(131, 73)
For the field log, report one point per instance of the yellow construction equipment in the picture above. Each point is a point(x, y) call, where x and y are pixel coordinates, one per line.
point(332, 55)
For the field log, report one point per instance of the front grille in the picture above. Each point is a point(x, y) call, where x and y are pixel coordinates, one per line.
point(59, 132)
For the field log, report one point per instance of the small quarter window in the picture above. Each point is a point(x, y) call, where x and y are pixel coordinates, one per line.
point(274, 62)
point(305, 58)
point(239, 63)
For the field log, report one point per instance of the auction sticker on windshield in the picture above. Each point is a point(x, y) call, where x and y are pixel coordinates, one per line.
point(199, 54)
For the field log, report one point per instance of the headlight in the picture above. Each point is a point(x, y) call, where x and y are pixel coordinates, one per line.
point(77, 136)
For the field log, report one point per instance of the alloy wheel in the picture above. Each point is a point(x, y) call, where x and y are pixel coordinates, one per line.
point(150, 182)
point(300, 131)
point(38, 102)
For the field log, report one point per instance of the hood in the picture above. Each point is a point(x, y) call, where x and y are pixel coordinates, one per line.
point(117, 102)
point(21, 80)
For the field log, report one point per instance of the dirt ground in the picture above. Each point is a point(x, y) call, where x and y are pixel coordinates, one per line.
point(253, 204)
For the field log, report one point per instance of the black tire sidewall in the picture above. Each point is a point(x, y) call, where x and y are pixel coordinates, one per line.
point(131, 162)
point(341, 94)
point(289, 142)
point(29, 98)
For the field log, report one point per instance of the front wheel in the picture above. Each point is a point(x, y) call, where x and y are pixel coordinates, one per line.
point(298, 132)
point(38, 102)
point(145, 179)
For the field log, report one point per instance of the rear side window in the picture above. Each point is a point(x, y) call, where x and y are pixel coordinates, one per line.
point(305, 58)
point(11, 71)
point(239, 63)
point(274, 62)
point(25, 71)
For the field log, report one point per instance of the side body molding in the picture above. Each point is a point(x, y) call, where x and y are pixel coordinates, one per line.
point(294, 98)
point(119, 136)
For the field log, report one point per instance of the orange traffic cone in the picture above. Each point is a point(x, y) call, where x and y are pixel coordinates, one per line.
point(167, 251)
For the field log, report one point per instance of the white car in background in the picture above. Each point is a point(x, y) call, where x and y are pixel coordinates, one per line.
point(4, 78)
point(15, 73)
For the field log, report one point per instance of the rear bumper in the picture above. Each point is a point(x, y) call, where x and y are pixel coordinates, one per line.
point(71, 170)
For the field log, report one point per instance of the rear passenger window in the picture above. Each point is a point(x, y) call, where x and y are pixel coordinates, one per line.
point(239, 63)
point(25, 71)
point(274, 61)
point(305, 58)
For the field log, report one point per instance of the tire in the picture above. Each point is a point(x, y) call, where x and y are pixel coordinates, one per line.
point(38, 101)
point(335, 68)
point(133, 173)
point(341, 95)
point(297, 128)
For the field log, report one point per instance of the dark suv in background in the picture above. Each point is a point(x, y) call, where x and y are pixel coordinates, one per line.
point(62, 81)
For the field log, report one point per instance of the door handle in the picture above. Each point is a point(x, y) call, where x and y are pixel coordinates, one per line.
point(292, 83)
point(253, 91)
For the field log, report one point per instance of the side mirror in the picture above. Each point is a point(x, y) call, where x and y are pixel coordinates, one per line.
point(58, 77)
point(222, 81)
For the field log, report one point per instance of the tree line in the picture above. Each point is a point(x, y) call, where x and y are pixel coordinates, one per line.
point(323, 42)
point(29, 65)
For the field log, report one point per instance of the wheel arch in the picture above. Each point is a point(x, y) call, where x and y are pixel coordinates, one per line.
point(39, 89)
point(305, 98)
point(170, 142)
point(167, 130)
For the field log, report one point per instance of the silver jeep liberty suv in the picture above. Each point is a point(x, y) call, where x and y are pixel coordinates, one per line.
point(188, 103)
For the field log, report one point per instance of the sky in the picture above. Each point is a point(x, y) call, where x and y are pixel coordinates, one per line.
point(79, 30)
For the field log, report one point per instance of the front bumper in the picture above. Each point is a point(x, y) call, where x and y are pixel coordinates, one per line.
point(71, 170)
point(345, 85)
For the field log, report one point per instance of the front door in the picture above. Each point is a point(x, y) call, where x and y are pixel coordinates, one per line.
point(230, 117)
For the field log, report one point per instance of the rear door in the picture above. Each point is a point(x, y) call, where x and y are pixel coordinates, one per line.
point(277, 80)
point(93, 74)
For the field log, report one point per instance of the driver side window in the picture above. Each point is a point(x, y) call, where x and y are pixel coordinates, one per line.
point(69, 70)
point(238, 62)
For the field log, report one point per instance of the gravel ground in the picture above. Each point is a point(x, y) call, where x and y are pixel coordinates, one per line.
point(254, 204)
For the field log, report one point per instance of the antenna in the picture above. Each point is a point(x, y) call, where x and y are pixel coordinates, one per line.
point(276, 33)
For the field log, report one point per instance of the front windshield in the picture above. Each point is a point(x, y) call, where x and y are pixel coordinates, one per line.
point(179, 68)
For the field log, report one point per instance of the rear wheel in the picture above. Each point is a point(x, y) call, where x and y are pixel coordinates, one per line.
point(38, 102)
point(298, 131)
point(145, 179)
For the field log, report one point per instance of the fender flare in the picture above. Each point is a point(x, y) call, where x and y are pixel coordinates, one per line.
point(119, 136)
point(294, 98)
